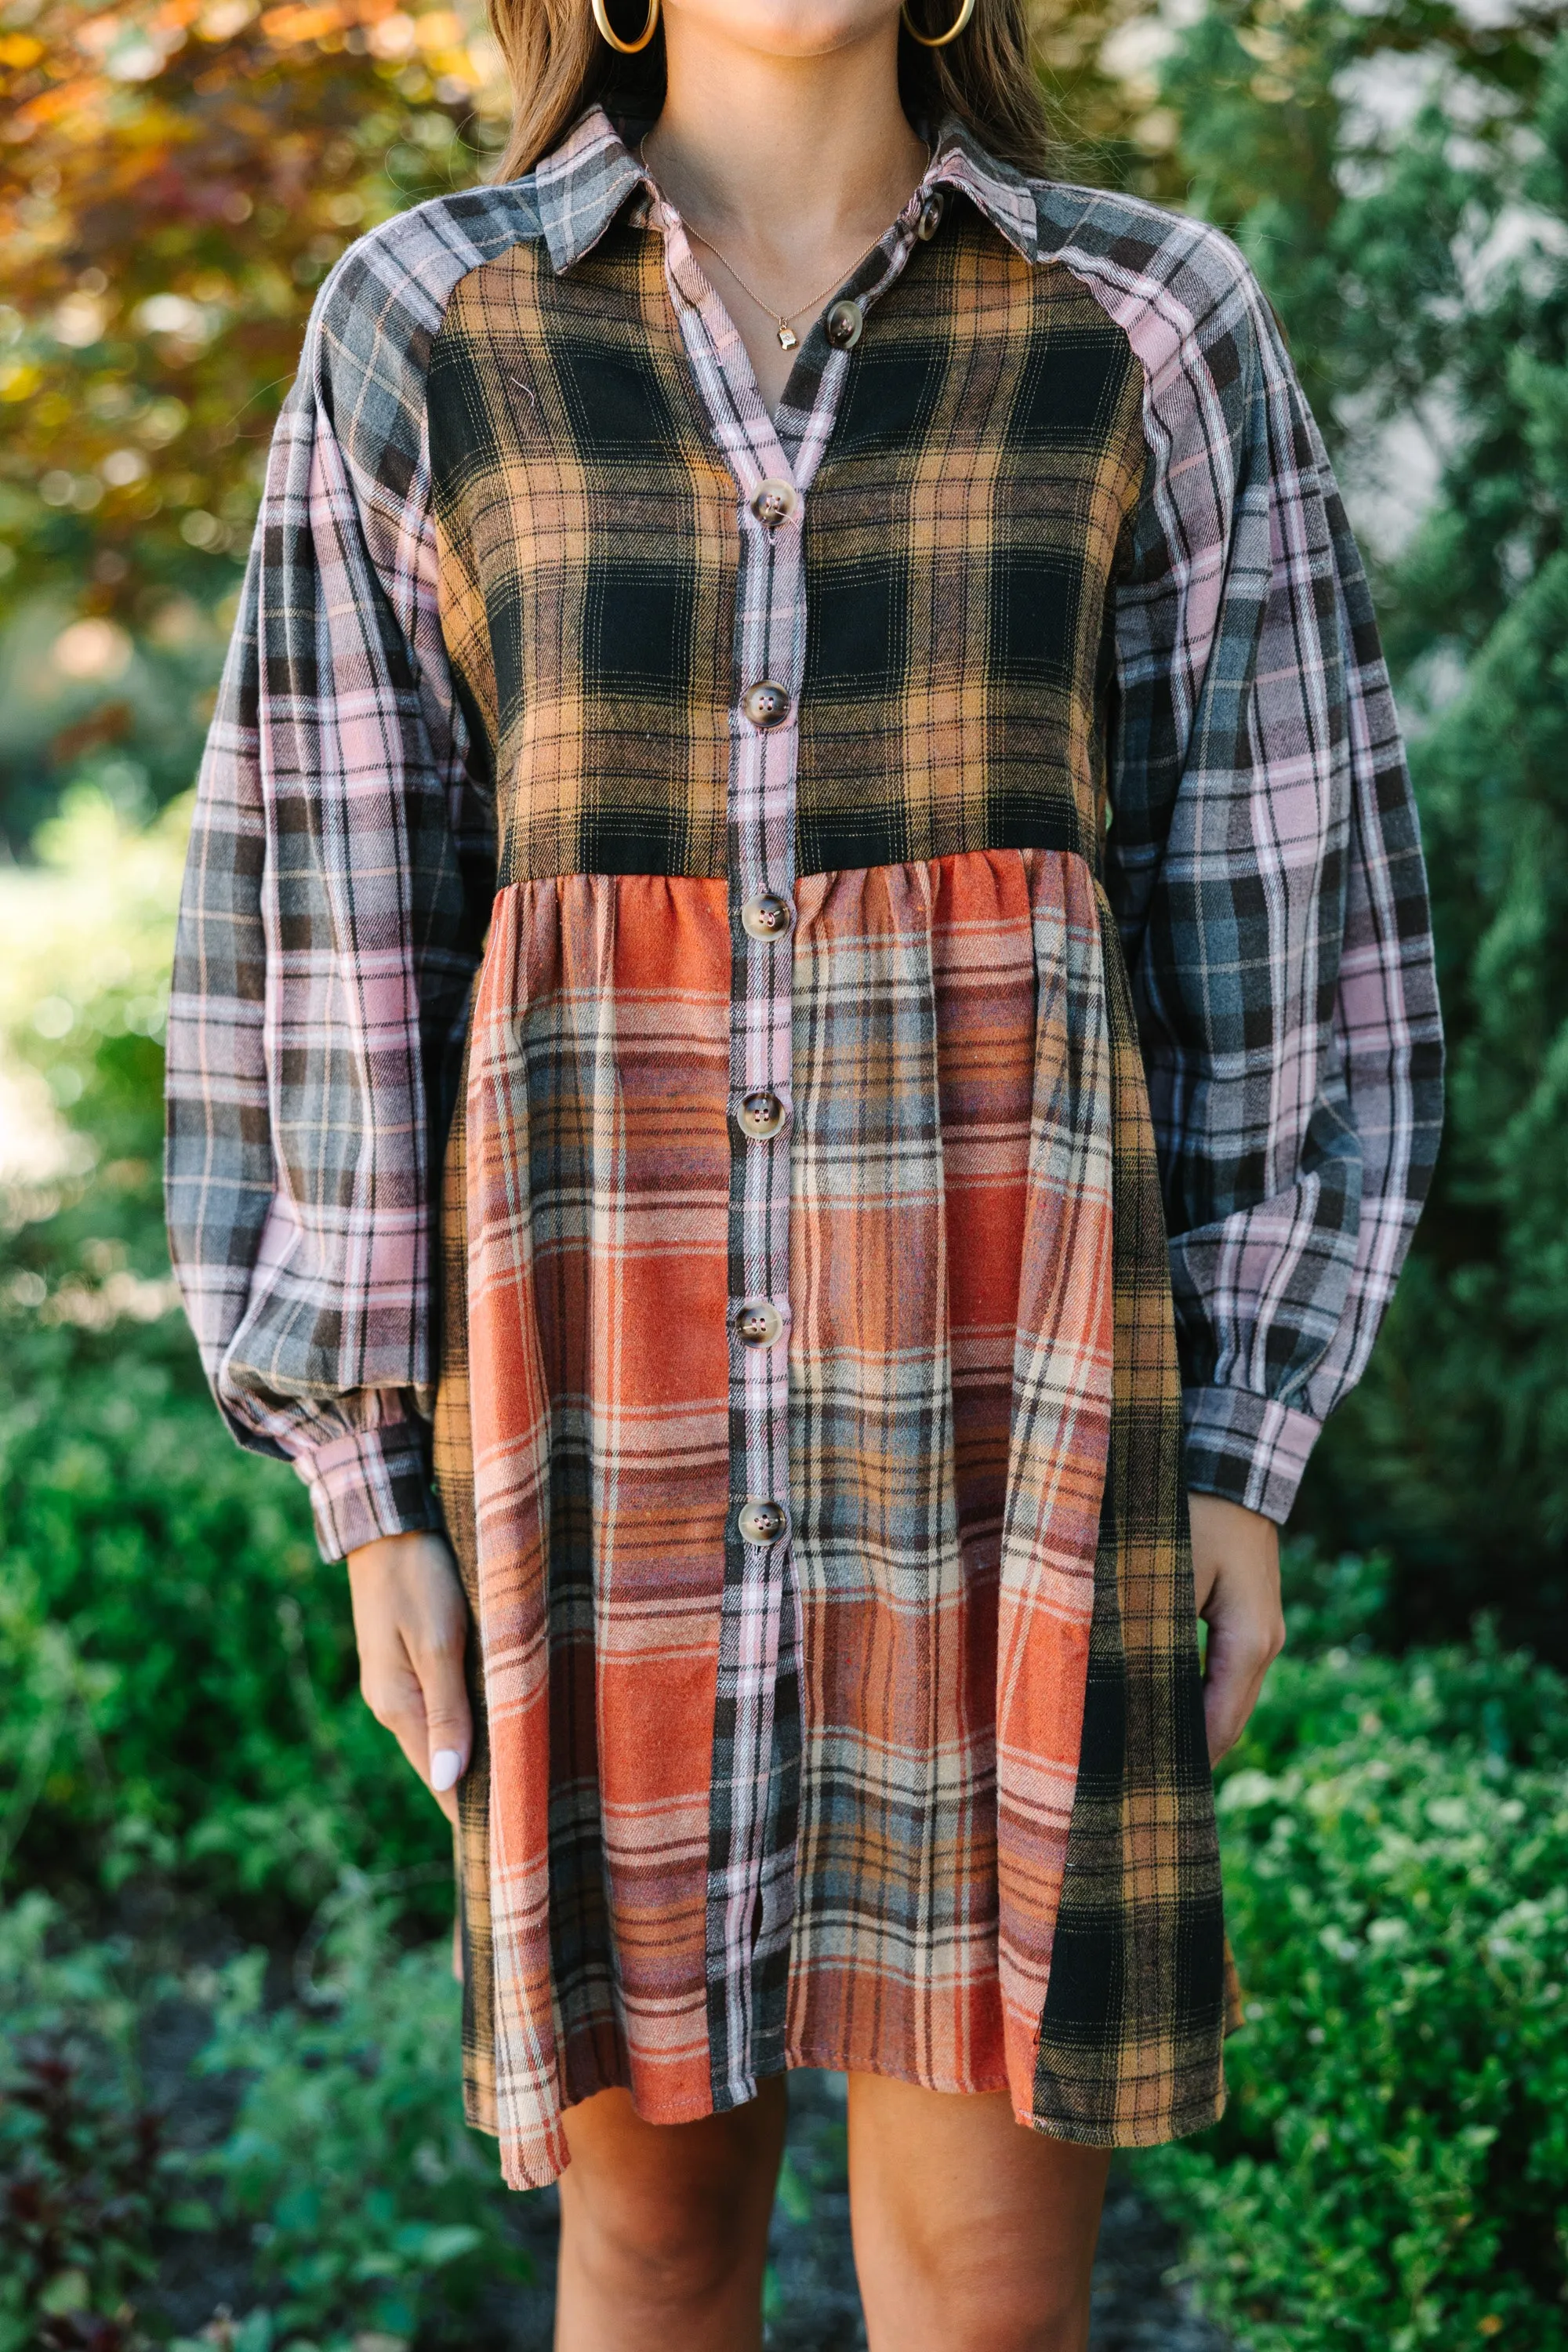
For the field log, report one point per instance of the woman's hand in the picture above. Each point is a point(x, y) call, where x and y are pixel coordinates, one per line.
point(411, 1622)
point(1235, 1573)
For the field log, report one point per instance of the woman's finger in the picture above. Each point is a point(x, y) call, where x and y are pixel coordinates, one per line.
point(1233, 1678)
point(411, 1624)
point(449, 1724)
point(1236, 1572)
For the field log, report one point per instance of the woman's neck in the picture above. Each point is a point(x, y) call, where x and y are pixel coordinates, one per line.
point(792, 164)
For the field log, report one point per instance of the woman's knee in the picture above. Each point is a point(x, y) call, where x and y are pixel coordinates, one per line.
point(976, 2310)
point(970, 2234)
point(672, 2249)
point(677, 2239)
point(670, 2214)
point(999, 2292)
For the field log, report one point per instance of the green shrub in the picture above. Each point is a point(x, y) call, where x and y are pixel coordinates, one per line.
point(86, 2177)
point(1392, 2168)
point(179, 1665)
point(375, 2209)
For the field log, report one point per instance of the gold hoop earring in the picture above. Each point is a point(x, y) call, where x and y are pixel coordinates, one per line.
point(938, 40)
point(631, 48)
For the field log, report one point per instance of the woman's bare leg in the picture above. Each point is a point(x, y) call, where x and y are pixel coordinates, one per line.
point(971, 2233)
point(663, 2227)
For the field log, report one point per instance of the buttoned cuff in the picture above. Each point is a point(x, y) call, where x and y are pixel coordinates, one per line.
point(1246, 1448)
point(374, 1482)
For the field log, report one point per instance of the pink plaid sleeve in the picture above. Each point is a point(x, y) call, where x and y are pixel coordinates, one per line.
point(335, 897)
point(1265, 863)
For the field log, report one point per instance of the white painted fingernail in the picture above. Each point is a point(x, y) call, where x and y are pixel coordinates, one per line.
point(444, 1766)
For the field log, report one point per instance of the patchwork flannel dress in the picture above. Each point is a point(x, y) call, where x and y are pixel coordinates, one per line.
point(791, 1024)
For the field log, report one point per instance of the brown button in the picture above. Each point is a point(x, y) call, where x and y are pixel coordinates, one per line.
point(773, 501)
point(759, 1323)
point(761, 1116)
point(765, 704)
point(929, 220)
point(765, 917)
point(761, 1523)
point(844, 323)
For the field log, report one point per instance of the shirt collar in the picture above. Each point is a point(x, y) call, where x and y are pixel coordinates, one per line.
point(584, 184)
point(998, 191)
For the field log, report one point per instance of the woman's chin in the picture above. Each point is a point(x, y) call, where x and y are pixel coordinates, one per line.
point(786, 28)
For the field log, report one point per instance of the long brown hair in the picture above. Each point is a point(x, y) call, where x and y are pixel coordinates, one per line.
point(558, 66)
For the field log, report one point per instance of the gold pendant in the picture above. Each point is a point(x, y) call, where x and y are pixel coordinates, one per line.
point(787, 339)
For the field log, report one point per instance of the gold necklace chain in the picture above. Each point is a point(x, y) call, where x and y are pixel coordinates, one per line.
point(787, 336)
point(788, 339)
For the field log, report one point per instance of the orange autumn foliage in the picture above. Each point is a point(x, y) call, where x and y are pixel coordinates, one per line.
point(176, 181)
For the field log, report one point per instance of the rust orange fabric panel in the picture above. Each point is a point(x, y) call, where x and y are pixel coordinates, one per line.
point(950, 1192)
point(598, 1175)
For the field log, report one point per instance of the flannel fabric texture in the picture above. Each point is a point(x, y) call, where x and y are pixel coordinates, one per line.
point(1097, 1064)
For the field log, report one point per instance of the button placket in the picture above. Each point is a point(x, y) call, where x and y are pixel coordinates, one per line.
point(769, 646)
point(760, 1630)
point(762, 882)
point(751, 1885)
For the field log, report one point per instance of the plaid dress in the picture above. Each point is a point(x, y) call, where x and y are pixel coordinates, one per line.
point(790, 1025)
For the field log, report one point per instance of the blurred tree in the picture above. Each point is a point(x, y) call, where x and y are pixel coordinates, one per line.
point(1097, 61)
point(178, 178)
point(1354, 149)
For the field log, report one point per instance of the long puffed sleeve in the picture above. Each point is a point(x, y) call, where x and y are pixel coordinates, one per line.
point(1264, 863)
point(334, 902)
